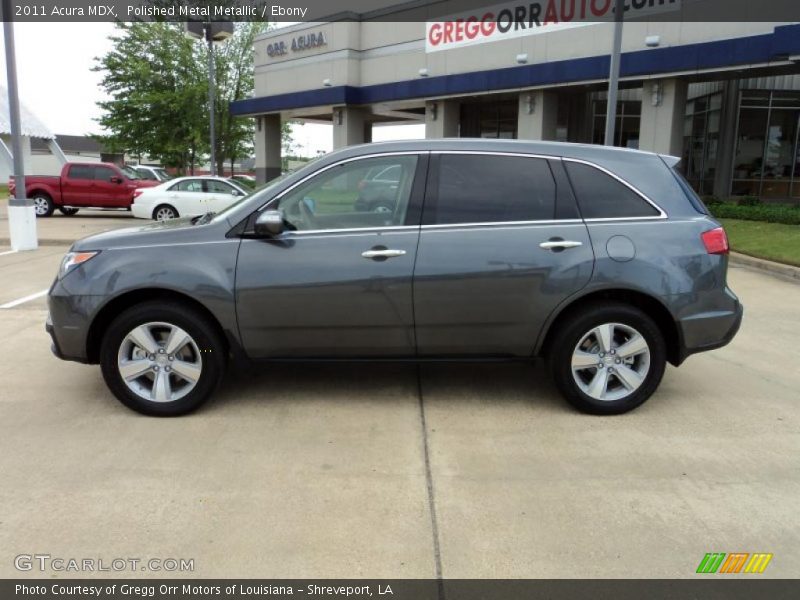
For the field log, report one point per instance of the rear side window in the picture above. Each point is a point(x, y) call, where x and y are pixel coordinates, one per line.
point(188, 185)
point(691, 195)
point(475, 188)
point(600, 196)
point(81, 172)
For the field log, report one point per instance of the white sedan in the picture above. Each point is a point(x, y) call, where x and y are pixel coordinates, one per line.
point(185, 197)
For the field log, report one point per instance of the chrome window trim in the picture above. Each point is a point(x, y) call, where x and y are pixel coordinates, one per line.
point(661, 213)
point(387, 229)
point(660, 217)
point(504, 224)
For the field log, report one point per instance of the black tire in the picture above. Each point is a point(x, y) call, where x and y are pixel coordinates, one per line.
point(580, 323)
point(68, 211)
point(209, 341)
point(165, 208)
point(43, 204)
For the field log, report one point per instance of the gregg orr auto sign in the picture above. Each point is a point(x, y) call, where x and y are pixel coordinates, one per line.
point(506, 21)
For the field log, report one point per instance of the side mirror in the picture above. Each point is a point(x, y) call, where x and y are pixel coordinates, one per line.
point(269, 223)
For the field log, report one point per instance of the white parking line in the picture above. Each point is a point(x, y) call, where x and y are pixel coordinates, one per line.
point(8, 252)
point(19, 301)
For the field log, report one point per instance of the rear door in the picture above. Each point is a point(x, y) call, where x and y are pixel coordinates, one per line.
point(188, 197)
point(78, 188)
point(502, 244)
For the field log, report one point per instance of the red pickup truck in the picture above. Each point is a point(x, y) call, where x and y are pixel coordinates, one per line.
point(96, 185)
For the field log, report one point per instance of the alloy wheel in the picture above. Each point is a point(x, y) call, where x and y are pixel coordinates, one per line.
point(41, 205)
point(611, 362)
point(159, 362)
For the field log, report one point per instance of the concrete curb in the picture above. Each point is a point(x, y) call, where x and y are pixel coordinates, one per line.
point(766, 266)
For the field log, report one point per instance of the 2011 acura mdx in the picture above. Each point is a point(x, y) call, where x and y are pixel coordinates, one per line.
point(601, 260)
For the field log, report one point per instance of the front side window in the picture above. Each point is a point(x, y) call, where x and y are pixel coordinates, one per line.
point(104, 173)
point(476, 188)
point(218, 187)
point(601, 196)
point(351, 196)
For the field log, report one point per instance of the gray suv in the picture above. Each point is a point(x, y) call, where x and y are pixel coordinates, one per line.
point(600, 260)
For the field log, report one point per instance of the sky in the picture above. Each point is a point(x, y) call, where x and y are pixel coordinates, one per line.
point(56, 83)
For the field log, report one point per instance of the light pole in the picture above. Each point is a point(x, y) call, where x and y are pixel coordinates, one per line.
point(613, 77)
point(21, 214)
point(211, 32)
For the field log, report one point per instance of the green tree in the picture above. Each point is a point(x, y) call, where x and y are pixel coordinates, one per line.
point(157, 86)
point(157, 81)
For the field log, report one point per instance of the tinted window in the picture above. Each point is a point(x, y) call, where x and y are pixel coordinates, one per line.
point(145, 174)
point(491, 189)
point(188, 185)
point(103, 173)
point(600, 196)
point(344, 198)
point(81, 172)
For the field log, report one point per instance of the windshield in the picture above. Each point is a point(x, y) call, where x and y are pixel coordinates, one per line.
point(130, 173)
point(263, 189)
point(162, 174)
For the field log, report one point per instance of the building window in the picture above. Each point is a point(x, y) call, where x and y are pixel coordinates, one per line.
point(629, 118)
point(767, 157)
point(701, 141)
point(497, 119)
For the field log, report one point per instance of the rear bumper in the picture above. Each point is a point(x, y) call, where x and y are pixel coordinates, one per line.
point(709, 331)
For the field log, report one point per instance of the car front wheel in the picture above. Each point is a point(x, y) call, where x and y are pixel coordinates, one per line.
point(162, 359)
point(608, 359)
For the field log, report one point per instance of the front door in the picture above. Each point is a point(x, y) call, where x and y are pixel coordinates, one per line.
point(501, 246)
point(109, 188)
point(338, 284)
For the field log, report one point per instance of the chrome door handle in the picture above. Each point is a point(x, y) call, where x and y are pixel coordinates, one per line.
point(562, 245)
point(383, 253)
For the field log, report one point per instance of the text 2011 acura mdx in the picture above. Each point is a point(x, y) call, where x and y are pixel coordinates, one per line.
point(601, 260)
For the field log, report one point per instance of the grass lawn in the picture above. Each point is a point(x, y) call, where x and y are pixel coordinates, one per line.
point(771, 241)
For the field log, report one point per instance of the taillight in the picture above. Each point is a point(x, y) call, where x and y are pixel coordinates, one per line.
point(137, 193)
point(716, 241)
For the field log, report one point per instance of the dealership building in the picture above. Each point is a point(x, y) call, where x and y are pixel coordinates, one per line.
point(723, 96)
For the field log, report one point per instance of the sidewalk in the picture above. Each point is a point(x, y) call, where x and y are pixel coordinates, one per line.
point(59, 230)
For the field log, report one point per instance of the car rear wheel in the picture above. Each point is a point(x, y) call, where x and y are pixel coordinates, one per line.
point(162, 359)
point(68, 211)
point(42, 204)
point(164, 213)
point(608, 359)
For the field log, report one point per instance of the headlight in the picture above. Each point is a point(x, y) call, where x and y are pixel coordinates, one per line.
point(73, 259)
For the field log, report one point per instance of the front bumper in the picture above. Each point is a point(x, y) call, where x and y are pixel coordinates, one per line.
point(68, 322)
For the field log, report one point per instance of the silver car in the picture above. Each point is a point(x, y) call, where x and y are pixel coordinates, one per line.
point(601, 261)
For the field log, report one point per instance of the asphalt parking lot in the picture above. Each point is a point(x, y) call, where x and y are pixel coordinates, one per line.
point(398, 471)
